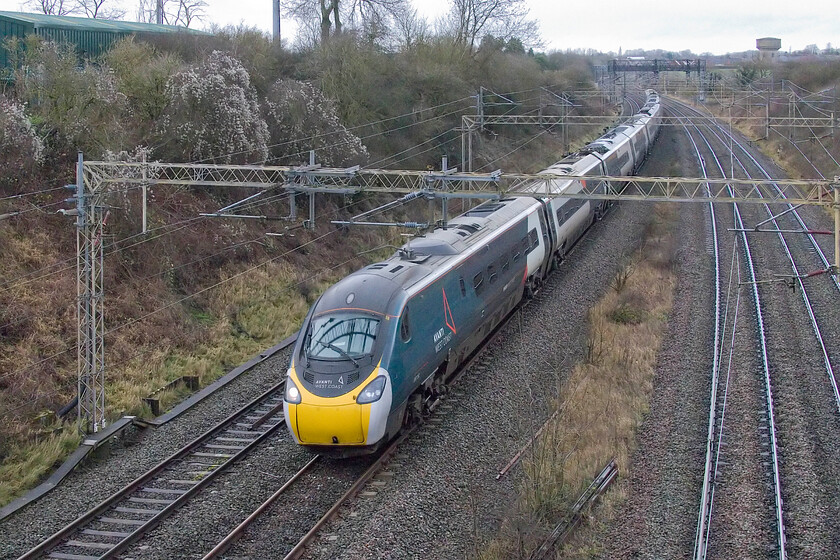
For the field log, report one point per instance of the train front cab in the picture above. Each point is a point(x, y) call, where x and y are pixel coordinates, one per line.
point(337, 392)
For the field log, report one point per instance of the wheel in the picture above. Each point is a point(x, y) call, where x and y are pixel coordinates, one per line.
point(413, 410)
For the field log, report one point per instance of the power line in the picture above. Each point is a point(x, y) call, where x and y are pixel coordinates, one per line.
point(542, 132)
point(347, 129)
point(33, 193)
point(383, 160)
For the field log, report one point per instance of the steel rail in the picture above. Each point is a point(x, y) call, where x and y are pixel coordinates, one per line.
point(795, 271)
point(298, 550)
point(132, 529)
point(386, 455)
point(234, 535)
point(700, 545)
point(739, 224)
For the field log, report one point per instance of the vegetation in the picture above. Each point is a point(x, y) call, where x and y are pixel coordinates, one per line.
point(198, 296)
point(604, 399)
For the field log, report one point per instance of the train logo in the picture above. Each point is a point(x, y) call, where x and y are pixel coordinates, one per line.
point(447, 314)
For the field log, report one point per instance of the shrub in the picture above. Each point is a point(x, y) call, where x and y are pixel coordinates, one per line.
point(21, 148)
point(77, 107)
point(142, 73)
point(301, 118)
point(213, 115)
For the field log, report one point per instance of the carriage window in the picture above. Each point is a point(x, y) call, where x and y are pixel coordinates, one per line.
point(491, 273)
point(533, 239)
point(463, 287)
point(478, 282)
point(405, 330)
point(506, 262)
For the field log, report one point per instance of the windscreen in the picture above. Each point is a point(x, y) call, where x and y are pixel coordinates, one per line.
point(337, 337)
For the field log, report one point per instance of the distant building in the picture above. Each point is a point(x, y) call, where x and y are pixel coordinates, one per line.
point(91, 37)
point(768, 47)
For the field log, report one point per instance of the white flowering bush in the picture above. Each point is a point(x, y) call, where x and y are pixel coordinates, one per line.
point(21, 150)
point(301, 118)
point(213, 115)
point(78, 107)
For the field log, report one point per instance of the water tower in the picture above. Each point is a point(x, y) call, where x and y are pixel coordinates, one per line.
point(767, 47)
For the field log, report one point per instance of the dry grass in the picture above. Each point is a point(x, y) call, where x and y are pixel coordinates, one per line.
point(603, 400)
point(26, 464)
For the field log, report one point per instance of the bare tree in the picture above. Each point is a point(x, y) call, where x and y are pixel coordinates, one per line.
point(503, 19)
point(189, 11)
point(96, 9)
point(331, 13)
point(410, 28)
point(174, 12)
point(51, 7)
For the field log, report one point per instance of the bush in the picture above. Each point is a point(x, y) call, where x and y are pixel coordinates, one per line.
point(213, 115)
point(76, 107)
point(22, 151)
point(301, 118)
point(142, 73)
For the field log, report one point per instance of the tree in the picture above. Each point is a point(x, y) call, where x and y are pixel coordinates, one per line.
point(21, 147)
point(213, 114)
point(470, 20)
point(75, 108)
point(96, 9)
point(173, 12)
point(329, 14)
point(301, 118)
point(411, 29)
point(515, 46)
point(52, 7)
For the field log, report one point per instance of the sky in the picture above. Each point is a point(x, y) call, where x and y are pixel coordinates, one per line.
point(715, 26)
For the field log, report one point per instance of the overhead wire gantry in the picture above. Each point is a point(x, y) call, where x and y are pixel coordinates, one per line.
point(96, 179)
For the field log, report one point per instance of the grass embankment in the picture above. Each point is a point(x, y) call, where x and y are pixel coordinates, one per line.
point(602, 402)
point(251, 314)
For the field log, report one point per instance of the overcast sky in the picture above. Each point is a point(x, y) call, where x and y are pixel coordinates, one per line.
point(716, 26)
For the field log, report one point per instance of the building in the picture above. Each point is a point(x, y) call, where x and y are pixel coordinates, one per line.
point(91, 37)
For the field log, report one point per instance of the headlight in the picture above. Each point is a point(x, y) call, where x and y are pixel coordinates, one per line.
point(373, 391)
point(292, 392)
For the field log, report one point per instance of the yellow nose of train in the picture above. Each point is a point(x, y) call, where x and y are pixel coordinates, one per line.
point(340, 420)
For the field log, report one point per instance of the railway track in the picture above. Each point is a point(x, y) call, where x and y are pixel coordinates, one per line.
point(716, 416)
point(131, 513)
point(709, 523)
point(373, 466)
point(800, 377)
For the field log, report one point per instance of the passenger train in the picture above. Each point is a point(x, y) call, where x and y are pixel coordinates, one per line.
point(374, 350)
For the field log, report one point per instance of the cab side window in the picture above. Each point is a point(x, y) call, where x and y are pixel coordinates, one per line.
point(405, 328)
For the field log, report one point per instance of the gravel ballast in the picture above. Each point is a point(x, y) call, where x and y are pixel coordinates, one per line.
point(128, 457)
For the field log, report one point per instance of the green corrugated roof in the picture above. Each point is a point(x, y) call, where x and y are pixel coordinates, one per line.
point(87, 24)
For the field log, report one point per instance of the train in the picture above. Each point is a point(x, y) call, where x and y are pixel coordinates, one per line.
point(375, 349)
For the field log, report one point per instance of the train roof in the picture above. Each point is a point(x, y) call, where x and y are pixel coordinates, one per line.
point(468, 229)
point(375, 287)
